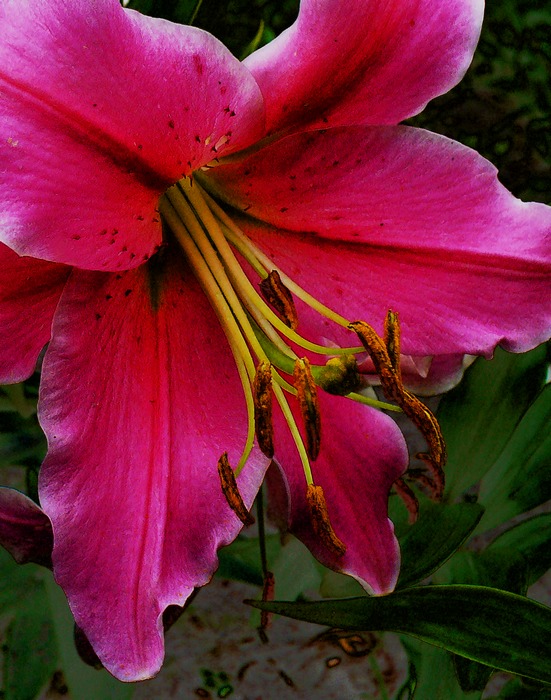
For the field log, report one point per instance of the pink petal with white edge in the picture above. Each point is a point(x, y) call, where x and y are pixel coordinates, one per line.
point(367, 62)
point(362, 454)
point(406, 220)
point(140, 397)
point(100, 112)
point(29, 293)
point(25, 530)
point(425, 376)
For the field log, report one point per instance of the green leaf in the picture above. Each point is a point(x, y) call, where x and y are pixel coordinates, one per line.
point(520, 479)
point(532, 540)
point(439, 532)
point(30, 658)
point(425, 684)
point(517, 689)
point(472, 676)
point(496, 628)
point(240, 561)
point(295, 570)
point(479, 416)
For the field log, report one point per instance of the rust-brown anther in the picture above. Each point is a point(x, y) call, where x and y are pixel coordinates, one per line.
point(307, 396)
point(409, 499)
point(320, 520)
point(262, 396)
point(392, 341)
point(385, 355)
point(231, 491)
point(277, 294)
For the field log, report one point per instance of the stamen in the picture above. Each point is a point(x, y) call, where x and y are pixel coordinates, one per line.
point(384, 357)
point(277, 294)
point(262, 391)
point(320, 520)
point(307, 396)
point(231, 491)
point(235, 234)
point(392, 341)
point(409, 499)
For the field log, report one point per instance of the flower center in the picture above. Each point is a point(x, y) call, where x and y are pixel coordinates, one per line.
point(261, 327)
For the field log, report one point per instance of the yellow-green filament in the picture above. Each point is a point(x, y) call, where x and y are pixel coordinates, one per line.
point(255, 333)
point(263, 261)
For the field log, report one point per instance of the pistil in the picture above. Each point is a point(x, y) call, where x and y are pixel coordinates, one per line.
point(259, 331)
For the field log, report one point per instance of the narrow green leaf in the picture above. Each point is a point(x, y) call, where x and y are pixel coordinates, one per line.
point(439, 532)
point(496, 628)
point(479, 416)
point(520, 479)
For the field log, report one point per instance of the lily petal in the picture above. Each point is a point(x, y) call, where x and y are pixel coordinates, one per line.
point(366, 62)
point(424, 376)
point(100, 112)
point(29, 293)
point(362, 453)
point(419, 224)
point(136, 422)
point(25, 530)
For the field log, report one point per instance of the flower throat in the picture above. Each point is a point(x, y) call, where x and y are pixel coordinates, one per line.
point(261, 326)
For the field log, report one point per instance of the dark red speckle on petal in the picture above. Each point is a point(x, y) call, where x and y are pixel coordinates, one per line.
point(171, 124)
point(76, 237)
point(198, 63)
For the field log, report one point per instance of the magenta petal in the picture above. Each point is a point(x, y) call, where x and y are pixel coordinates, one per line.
point(418, 223)
point(29, 293)
point(424, 376)
point(102, 108)
point(139, 399)
point(365, 62)
point(25, 530)
point(362, 453)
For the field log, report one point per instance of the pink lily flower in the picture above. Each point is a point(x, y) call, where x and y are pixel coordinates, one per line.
point(291, 161)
